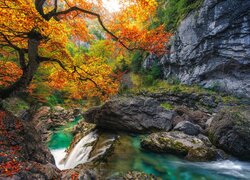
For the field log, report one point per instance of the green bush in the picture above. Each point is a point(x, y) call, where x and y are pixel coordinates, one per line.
point(122, 66)
point(156, 71)
point(136, 62)
point(148, 80)
point(55, 98)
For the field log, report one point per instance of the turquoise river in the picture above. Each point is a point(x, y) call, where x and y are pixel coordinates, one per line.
point(128, 156)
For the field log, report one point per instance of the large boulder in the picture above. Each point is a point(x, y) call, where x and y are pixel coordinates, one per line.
point(230, 130)
point(134, 114)
point(178, 143)
point(212, 47)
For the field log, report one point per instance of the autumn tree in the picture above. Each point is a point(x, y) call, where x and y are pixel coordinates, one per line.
point(38, 31)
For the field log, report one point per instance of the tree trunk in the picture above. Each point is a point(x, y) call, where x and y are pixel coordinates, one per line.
point(28, 73)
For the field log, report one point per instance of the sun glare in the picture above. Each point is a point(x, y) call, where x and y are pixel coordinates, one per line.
point(112, 5)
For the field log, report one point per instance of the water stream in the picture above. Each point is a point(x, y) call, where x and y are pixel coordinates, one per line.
point(128, 156)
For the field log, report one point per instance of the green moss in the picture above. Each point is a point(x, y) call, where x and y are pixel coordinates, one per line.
point(167, 106)
point(230, 99)
point(174, 145)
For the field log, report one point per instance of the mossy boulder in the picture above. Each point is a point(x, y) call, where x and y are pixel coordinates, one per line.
point(202, 154)
point(230, 131)
point(178, 143)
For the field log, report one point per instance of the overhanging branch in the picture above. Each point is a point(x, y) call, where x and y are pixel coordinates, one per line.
point(75, 8)
point(45, 59)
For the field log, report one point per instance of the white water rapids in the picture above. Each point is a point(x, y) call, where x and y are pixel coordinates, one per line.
point(80, 154)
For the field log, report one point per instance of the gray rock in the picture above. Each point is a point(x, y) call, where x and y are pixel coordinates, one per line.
point(212, 48)
point(230, 131)
point(178, 143)
point(135, 114)
point(188, 128)
point(186, 114)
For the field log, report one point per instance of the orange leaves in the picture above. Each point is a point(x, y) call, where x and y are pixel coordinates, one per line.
point(93, 78)
point(9, 73)
point(58, 79)
point(148, 40)
point(132, 26)
point(86, 75)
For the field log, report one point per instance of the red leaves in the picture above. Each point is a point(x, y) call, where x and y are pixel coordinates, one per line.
point(74, 176)
point(9, 153)
point(10, 168)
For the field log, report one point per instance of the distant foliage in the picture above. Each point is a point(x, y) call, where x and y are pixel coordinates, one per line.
point(171, 12)
point(136, 61)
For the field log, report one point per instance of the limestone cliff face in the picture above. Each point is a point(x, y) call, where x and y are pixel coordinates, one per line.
point(211, 47)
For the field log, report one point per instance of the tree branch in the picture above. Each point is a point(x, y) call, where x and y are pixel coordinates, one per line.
point(45, 59)
point(10, 44)
point(39, 6)
point(22, 60)
point(87, 78)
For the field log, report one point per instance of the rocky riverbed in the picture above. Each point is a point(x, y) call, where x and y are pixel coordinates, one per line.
point(159, 134)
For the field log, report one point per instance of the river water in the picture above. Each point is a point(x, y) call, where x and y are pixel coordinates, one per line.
point(128, 156)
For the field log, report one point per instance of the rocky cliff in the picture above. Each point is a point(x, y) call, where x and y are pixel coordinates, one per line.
point(211, 47)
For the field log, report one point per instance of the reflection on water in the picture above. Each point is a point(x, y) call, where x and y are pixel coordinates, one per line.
point(128, 156)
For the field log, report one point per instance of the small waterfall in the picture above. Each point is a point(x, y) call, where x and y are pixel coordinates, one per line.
point(84, 151)
point(59, 155)
point(81, 151)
